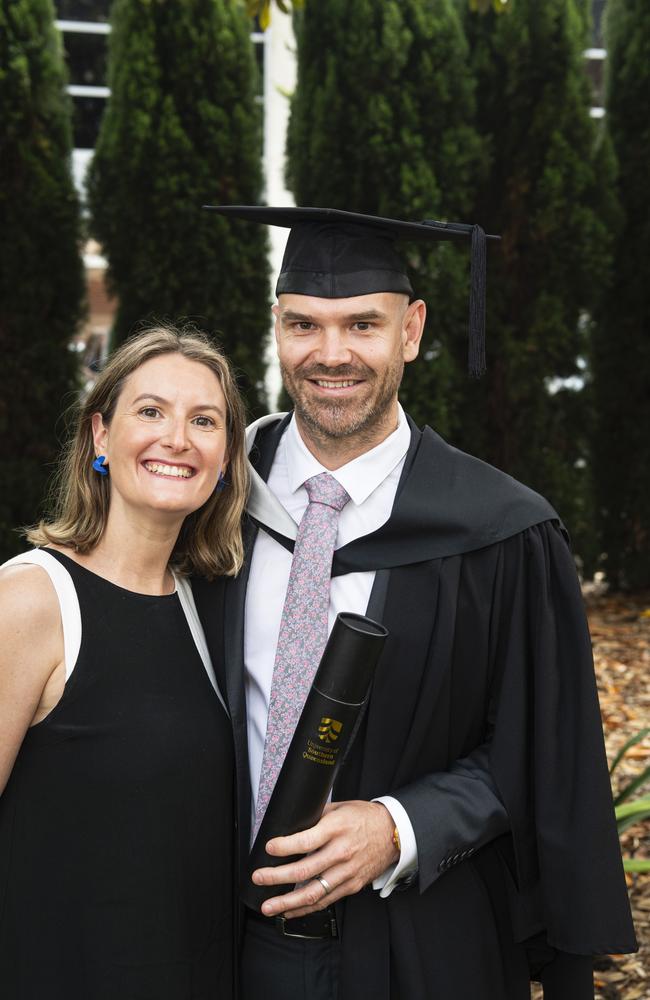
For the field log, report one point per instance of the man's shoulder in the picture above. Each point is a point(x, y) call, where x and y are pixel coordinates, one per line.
point(463, 500)
point(459, 472)
point(448, 502)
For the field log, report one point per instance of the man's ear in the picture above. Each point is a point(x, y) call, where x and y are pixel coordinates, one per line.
point(413, 328)
point(100, 434)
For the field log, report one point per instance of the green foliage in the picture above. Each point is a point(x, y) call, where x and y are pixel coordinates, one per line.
point(638, 811)
point(41, 274)
point(622, 336)
point(632, 742)
point(483, 6)
point(547, 192)
point(182, 130)
point(636, 864)
point(261, 9)
point(638, 782)
point(381, 123)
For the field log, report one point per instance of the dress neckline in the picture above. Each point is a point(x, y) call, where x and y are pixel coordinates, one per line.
point(116, 586)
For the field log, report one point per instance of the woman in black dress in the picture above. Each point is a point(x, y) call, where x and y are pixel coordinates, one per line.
point(116, 770)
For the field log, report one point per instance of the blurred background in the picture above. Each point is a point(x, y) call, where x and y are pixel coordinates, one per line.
point(120, 119)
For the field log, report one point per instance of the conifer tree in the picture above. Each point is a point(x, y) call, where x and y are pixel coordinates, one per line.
point(182, 130)
point(381, 124)
point(41, 273)
point(622, 335)
point(548, 194)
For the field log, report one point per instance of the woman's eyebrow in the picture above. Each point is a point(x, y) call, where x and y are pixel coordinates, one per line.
point(161, 399)
point(150, 395)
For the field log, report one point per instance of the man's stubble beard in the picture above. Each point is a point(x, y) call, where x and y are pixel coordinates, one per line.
point(334, 420)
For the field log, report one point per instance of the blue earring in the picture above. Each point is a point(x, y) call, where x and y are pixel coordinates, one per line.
point(221, 483)
point(98, 465)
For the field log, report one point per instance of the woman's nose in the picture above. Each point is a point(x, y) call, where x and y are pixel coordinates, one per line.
point(176, 435)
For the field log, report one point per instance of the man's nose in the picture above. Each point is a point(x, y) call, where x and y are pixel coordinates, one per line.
point(334, 349)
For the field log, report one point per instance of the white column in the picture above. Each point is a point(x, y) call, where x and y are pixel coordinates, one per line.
point(279, 84)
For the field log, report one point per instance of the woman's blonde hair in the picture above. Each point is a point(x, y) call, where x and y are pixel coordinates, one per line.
point(210, 540)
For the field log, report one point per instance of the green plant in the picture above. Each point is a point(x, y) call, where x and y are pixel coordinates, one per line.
point(41, 271)
point(638, 810)
point(182, 130)
point(261, 9)
point(483, 6)
point(381, 123)
point(547, 192)
point(621, 351)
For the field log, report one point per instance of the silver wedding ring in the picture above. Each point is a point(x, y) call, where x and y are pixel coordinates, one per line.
point(325, 884)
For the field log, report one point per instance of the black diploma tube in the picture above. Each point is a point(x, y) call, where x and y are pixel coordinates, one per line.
point(319, 744)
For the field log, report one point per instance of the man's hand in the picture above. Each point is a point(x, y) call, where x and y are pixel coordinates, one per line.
point(350, 846)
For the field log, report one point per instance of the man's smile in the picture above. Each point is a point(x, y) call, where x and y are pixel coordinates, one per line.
point(335, 385)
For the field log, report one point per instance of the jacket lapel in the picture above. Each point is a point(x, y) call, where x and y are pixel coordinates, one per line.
point(234, 614)
point(234, 607)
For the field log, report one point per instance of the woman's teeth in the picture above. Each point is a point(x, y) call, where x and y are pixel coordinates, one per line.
point(180, 471)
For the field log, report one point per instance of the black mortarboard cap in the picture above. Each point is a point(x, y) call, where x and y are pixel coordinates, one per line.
point(335, 254)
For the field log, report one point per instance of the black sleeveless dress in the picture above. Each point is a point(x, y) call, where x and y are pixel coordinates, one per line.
point(116, 826)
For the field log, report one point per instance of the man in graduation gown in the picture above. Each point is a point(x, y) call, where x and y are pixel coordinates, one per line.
point(470, 843)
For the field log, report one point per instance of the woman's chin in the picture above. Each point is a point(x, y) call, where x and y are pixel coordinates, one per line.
point(168, 509)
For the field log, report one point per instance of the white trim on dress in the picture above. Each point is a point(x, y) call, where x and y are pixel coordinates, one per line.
point(71, 615)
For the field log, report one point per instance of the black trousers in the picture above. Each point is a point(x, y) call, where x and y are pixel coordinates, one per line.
point(283, 968)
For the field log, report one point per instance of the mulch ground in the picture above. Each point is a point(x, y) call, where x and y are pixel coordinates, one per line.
point(620, 629)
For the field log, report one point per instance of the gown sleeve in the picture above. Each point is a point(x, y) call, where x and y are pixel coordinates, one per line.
point(547, 756)
point(453, 814)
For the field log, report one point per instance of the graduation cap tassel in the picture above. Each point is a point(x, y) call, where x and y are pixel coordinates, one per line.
point(476, 352)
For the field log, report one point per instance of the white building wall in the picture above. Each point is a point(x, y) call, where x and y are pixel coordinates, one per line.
point(279, 84)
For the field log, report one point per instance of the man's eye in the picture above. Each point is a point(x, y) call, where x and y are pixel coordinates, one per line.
point(362, 326)
point(304, 325)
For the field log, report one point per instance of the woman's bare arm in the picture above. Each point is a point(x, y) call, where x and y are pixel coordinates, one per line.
point(32, 669)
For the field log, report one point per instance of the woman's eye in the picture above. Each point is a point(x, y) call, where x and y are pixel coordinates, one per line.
point(149, 411)
point(202, 421)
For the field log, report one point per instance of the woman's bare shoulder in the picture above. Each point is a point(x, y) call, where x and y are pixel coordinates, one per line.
point(31, 655)
point(29, 606)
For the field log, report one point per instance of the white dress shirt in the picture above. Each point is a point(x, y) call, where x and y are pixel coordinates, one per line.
point(371, 482)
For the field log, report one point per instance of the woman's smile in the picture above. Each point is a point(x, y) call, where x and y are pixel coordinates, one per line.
point(168, 470)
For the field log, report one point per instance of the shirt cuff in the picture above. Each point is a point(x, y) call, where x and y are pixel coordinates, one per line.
point(407, 862)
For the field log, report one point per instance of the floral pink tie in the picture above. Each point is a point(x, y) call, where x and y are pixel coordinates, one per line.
point(303, 626)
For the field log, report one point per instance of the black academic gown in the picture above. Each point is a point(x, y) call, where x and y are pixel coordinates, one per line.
point(483, 722)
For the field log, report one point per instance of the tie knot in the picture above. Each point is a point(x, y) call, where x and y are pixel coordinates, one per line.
point(324, 488)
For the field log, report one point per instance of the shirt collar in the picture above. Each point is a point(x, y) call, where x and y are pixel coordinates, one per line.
point(362, 475)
